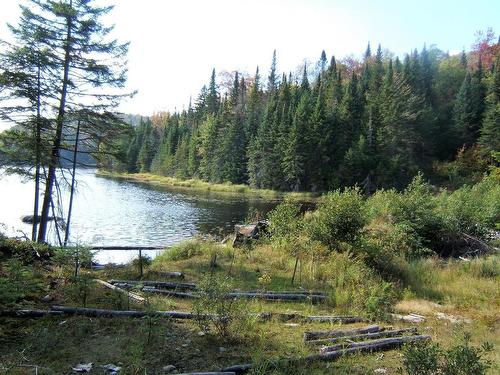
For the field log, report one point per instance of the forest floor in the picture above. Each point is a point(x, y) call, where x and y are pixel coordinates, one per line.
point(203, 186)
point(453, 300)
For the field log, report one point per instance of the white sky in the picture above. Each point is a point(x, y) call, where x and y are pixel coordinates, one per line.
point(176, 43)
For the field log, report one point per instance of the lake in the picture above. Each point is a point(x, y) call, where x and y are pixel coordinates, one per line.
point(116, 212)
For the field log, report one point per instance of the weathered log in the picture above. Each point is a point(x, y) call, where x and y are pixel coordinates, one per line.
point(209, 373)
point(69, 310)
point(333, 319)
point(277, 296)
point(302, 292)
point(158, 284)
point(368, 346)
point(374, 335)
point(169, 293)
point(133, 296)
point(293, 316)
point(371, 338)
point(314, 335)
point(387, 344)
point(239, 369)
point(24, 313)
point(169, 274)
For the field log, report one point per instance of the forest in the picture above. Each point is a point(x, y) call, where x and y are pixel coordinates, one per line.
point(376, 123)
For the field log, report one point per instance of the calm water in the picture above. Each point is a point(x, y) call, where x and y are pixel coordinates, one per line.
point(114, 212)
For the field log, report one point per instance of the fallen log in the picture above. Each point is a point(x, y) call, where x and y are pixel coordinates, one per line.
point(375, 335)
point(209, 373)
point(388, 344)
point(302, 292)
point(169, 293)
point(277, 296)
point(130, 295)
point(169, 274)
point(69, 310)
point(293, 316)
point(371, 340)
point(157, 284)
point(24, 313)
point(333, 319)
point(369, 346)
point(314, 335)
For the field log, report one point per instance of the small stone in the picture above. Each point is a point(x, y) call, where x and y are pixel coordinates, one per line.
point(292, 324)
point(185, 345)
point(380, 371)
point(47, 298)
point(169, 368)
point(222, 349)
point(201, 333)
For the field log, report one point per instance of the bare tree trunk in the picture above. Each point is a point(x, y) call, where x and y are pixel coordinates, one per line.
point(54, 158)
point(37, 153)
point(68, 220)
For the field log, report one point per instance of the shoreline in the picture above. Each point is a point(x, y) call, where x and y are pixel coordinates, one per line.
point(207, 187)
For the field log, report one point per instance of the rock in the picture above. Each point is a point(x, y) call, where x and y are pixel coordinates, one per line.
point(413, 318)
point(380, 371)
point(83, 367)
point(169, 368)
point(47, 298)
point(201, 333)
point(453, 318)
point(112, 369)
point(292, 324)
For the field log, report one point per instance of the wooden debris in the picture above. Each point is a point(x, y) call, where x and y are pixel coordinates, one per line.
point(345, 319)
point(169, 293)
point(270, 296)
point(169, 274)
point(314, 335)
point(29, 313)
point(369, 346)
point(374, 335)
point(157, 284)
point(133, 296)
point(386, 344)
point(124, 313)
point(372, 338)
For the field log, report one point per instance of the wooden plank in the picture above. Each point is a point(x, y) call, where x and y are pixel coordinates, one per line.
point(131, 295)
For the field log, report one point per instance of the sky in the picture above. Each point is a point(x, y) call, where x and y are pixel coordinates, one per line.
point(175, 44)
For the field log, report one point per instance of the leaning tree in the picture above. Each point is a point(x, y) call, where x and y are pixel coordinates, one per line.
point(62, 72)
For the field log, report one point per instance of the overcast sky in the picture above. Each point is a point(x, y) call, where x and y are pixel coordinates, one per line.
point(176, 43)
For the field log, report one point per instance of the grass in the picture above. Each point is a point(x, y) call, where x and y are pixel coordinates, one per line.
point(146, 345)
point(203, 186)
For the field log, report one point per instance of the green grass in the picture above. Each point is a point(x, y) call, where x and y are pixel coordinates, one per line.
point(203, 186)
point(454, 287)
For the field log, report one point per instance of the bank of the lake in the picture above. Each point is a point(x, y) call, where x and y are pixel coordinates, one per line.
point(203, 186)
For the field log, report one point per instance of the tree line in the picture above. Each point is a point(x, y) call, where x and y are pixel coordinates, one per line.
point(375, 122)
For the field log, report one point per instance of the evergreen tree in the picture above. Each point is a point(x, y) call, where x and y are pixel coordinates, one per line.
point(490, 131)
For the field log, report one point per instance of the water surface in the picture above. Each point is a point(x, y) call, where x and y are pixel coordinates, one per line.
point(110, 212)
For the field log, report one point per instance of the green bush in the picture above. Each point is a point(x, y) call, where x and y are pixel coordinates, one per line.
point(339, 218)
point(356, 287)
point(212, 307)
point(285, 221)
point(25, 251)
point(422, 358)
point(428, 358)
point(19, 282)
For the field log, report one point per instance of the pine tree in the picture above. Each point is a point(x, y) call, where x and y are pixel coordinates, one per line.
point(490, 131)
point(272, 79)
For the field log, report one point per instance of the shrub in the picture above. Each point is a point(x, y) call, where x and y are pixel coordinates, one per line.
point(189, 249)
point(355, 286)
point(422, 358)
point(285, 221)
point(19, 282)
point(213, 307)
point(461, 359)
point(339, 218)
